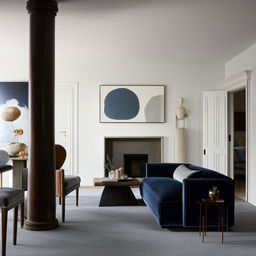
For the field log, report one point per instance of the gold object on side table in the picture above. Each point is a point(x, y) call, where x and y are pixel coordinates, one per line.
point(214, 193)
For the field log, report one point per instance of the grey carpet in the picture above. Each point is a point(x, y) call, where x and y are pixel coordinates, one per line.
point(109, 231)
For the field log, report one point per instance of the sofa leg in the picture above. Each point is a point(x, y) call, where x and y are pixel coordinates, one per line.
point(63, 208)
point(77, 195)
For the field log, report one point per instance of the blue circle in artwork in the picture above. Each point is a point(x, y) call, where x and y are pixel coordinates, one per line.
point(121, 104)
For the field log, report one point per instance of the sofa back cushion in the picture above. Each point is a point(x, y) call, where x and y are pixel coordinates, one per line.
point(182, 172)
point(207, 173)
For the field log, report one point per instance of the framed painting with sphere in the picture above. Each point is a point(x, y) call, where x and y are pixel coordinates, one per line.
point(132, 103)
point(14, 95)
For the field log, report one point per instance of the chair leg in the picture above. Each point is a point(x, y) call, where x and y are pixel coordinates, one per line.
point(77, 195)
point(63, 208)
point(22, 214)
point(4, 229)
point(15, 222)
point(59, 200)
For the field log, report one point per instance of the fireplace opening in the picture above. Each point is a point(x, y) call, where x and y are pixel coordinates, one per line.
point(135, 164)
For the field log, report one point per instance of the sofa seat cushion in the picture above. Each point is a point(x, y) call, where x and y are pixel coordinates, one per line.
point(163, 189)
point(71, 181)
point(10, 196)
point(164, 197)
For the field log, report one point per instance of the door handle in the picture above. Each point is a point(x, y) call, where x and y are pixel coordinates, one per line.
point(63, 132)
point(204, 151)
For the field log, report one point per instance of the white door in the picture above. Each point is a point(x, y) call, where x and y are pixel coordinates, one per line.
point(65, 122)
point(215, 131)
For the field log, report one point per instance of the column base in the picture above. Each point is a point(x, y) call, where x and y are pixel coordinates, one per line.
point(39, 226)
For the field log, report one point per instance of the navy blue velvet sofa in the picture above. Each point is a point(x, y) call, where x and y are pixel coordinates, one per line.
point(173, 203)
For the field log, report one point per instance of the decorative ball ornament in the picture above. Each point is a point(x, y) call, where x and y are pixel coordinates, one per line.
point(11, 114)
point(22, 154)
point(18, 132)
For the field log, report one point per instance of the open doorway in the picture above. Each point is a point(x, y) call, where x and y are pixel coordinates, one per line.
point(237, 138)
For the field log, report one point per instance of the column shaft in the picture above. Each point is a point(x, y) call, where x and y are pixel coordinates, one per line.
point(41, 183)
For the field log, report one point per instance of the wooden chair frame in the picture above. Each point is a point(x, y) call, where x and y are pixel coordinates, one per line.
point(61, 193)
point(4, 213)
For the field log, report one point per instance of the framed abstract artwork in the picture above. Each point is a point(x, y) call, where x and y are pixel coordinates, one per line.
point(14, 94)
point(132, 103)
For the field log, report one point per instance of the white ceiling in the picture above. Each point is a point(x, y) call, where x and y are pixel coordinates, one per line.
point(149, 30)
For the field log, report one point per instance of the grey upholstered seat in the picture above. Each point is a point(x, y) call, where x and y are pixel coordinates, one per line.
point(71, 180)
point(10, 196)
point(5, 167)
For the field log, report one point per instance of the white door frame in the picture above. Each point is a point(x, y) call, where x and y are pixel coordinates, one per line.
point(233, 84)
point(230, 131)
point(74, 98)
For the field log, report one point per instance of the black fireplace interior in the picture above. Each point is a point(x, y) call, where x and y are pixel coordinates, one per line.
point(135, 164)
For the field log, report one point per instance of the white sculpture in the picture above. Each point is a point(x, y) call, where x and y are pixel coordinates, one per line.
point(180, 110)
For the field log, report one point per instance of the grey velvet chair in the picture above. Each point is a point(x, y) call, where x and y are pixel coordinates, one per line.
point(10, 198)
point(65, 184)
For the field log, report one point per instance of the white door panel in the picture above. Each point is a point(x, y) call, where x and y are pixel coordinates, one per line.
point(215, 130)
point(65, 113)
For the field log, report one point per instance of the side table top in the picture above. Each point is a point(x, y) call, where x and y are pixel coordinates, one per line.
point(17, 158)
point(109, 182)
point(210, 201)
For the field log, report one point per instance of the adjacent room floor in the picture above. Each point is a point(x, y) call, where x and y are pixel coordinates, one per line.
point(109, 231)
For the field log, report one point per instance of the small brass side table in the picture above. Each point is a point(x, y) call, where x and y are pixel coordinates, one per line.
point(222, 206)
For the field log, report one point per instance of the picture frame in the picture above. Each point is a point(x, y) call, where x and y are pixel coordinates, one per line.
point(132, 104)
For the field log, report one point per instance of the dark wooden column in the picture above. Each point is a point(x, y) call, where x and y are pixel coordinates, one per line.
point(41, 183)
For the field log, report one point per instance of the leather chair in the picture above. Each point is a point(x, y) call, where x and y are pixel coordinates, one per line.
point(65, 184)
point(10, 198)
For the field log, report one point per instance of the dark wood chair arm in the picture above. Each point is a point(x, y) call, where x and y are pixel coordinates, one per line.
point(59, 182)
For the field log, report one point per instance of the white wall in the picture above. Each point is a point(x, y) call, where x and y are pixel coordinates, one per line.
point(187, 79)
point(243, 61)
point(181, 79)
point(247, 61)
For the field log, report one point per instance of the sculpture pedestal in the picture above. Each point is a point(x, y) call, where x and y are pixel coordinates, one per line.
point(180, 150)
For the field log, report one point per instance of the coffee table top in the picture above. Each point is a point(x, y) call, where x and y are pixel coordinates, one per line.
point(109, 182)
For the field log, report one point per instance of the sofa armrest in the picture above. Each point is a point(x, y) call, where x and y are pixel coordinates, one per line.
point(193, 190)
point(161, 169)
